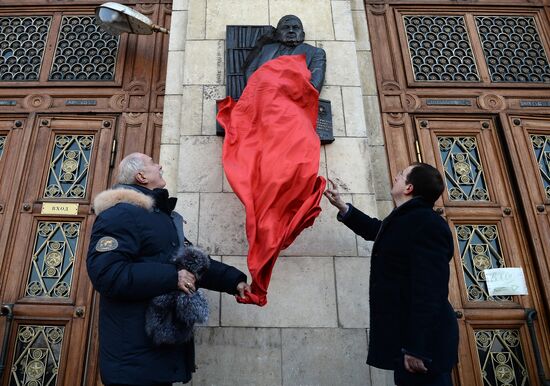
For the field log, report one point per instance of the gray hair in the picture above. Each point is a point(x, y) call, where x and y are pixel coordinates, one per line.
point(130, 166)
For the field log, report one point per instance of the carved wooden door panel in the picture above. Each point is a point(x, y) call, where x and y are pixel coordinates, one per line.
point(531, 139)
point(12, 129)
point(480, 206)
point(48, 296)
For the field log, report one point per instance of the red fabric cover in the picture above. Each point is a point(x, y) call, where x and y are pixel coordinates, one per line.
point(271, 158)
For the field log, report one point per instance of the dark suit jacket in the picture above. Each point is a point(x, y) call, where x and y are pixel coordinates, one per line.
point(316, 61)
point(409, 282)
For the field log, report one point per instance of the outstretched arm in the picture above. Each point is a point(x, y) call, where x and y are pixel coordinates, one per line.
point(224, 278)
point(361, 224)
point(318, 67)
point(335, 199)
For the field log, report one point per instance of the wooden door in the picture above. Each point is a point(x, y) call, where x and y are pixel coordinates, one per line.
point(11, 137)
point(529, 138)
point(45, 289)
point(485, 217)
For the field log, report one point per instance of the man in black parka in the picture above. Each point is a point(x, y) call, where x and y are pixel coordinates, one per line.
point(134, 236)
point(413, 328)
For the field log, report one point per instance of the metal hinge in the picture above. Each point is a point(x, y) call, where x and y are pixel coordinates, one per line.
point(417, 147)
point(7, 311)
point(113, 154)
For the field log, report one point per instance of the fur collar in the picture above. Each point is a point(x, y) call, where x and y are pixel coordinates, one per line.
point(111, 197)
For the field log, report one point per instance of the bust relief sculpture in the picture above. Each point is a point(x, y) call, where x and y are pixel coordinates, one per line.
point(288, 39)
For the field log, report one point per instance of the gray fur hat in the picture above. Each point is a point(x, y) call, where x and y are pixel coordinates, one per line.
point(170, 318)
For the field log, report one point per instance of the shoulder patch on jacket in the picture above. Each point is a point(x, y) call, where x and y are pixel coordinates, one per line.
point(106, 244)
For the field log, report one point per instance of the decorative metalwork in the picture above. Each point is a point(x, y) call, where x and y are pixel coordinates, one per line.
point(479, 248)
point(2, 143)
point(240, 40)
point(37, 355)
point(52, 262)
point(541, 148)
point(501, 357)
point(84, 51)
point(68, 177)
point(440, 49)
point(513, 49)
point(22, 42)
point(464, 174)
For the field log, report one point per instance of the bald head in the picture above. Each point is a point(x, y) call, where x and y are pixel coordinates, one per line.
point(140, 169)
point(290, 30)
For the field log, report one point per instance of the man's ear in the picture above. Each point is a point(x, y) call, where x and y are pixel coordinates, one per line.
point(409, 188)
point(140, 178)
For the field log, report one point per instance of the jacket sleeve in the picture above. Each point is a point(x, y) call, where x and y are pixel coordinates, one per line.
point(361, 224)
point(115, 273)
point(222, 278)
point(318, 68)
point(428, 285)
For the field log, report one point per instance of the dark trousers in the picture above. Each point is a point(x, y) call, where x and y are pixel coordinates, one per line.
point(404, 378)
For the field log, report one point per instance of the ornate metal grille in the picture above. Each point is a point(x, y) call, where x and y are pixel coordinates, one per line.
point(69, 163)
point(501, 358)
point(2, 143)
point(479, 248)
point(440, 49)
point(84, 51)
point(37, 354)
point(464, 174)
point(513, 49)
point(53, 258)
point(22, 42)
point(541, 148)
point(240, 40)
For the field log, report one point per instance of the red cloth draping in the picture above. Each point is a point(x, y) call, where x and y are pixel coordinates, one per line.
point(271, 159)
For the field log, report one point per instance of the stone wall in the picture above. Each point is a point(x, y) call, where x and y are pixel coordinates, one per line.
point(313, 331)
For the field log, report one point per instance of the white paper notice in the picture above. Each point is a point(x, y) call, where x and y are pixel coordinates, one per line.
point(505, 281)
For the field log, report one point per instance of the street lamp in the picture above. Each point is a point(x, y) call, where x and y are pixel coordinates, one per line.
point(117, 18)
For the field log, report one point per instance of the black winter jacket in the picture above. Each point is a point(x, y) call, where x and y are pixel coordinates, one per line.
point(133, 238)
point(409, 282)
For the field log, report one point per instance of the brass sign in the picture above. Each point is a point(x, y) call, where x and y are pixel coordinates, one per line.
point(523, 103)
point(58, 208)
point(81, 102)
point(448, 102)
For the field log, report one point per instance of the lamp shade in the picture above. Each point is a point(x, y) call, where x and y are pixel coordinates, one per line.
point(117, 18)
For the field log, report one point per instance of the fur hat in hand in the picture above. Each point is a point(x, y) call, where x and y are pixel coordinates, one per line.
point(170, 318)
point(192, 259)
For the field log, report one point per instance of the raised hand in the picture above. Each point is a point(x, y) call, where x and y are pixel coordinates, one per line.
point(334, 198)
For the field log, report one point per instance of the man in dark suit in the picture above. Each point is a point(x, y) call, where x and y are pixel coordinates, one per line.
point(289, 40)
point(413, 328)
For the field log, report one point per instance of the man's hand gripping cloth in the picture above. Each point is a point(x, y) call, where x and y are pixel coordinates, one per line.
point(271, 158)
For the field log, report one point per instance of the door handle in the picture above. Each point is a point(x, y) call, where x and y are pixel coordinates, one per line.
point(531, 316)
point(7, 311)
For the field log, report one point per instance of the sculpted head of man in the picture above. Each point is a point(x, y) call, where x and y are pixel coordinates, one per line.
point(290, 31)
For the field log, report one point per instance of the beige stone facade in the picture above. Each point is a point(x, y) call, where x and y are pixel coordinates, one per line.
point(313, 331)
